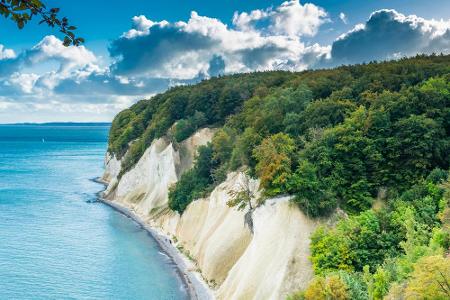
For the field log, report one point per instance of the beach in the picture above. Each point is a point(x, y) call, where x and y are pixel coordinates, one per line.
point(194, 283)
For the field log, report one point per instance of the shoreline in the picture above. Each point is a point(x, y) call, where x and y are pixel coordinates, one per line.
point(195, 286)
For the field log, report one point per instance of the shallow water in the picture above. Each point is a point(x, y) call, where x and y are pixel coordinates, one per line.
point(55, 243)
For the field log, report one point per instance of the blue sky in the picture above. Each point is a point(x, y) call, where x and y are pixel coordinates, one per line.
point(135, 50)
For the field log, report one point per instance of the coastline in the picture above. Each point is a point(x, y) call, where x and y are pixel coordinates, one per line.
point(195, 286)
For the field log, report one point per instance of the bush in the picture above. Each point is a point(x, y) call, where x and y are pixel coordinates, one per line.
point(361, 240)
point(311, 194)
point(193, 183)
point(330, 287)
point(430, 279)
point(274, 162)
point(437, 176)
point(184, 128)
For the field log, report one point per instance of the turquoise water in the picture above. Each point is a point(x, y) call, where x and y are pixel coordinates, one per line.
point(55, 243)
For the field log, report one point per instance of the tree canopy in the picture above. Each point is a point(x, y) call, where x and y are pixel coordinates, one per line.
point(331, 138)
point(370, 140)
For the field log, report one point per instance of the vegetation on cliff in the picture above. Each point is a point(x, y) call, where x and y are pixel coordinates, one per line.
point(370, 139)
point(330, 137)
point(397, 251)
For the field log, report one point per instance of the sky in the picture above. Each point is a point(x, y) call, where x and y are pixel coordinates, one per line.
point(136, 50)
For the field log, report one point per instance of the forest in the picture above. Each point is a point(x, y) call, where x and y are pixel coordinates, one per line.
point(370, 142)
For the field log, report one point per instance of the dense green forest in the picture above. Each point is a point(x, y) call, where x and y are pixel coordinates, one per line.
point(371, 140)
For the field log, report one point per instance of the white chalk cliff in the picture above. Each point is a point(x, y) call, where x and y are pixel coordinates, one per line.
point(268, 262)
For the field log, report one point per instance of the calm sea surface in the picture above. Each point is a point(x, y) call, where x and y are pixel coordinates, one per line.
point(55, 243)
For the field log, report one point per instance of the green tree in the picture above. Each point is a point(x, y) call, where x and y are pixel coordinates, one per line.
point(184, 128)
point(194, 182)
point(222, 144)
point(274, 162)
point(330, 287)
point(430, 279)
point(359, 241)
point(23, 11)
point(312, 193)
point(330, 251)
point(243, 149)
point(344, 157)
point(326, 113)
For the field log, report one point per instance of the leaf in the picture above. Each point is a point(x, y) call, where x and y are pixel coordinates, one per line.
point(67, 41)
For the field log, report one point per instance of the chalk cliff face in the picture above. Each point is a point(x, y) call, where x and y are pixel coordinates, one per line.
point(267, 262)
point(145, 187)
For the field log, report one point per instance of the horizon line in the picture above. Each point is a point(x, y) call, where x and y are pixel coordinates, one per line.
point(58, 123)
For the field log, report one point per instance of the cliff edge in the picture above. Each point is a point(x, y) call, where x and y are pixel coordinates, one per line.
point(267, 261)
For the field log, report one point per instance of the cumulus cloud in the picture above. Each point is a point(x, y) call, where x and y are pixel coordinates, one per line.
point(51, 49)
point(154, 55)
point(290, 18)
point(388, 34)
point(259, 40)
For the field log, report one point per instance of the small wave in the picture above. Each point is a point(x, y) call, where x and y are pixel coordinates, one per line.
point(163, 254)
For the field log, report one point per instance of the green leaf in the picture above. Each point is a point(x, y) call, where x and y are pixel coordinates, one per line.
point(67, 41)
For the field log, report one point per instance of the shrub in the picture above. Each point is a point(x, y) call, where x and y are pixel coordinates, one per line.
point(330, 287)
point(274, 162)
point(193, 183)
point(311, 194)
point(430, 279)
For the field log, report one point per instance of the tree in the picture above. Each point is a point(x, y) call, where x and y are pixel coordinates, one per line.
point(430, 279)
point(377, 283)
point(184, 128)
point(325, 113)
point(243, 147)
point(330, 251)
point(244, 195)
point(330, 287)
point(194, 182)
point(344, 157)
point(22, 11)
point(222, 143)
point(356, 242)
point(311, 193)
point(274, 156)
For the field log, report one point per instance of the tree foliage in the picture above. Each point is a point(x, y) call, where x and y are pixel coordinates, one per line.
point(371, 140)
point(399, 251)
point(23, 11)
point(193, 183)
point(331, 138)
point(430, 279)
point(274, 162)
point(329, 287)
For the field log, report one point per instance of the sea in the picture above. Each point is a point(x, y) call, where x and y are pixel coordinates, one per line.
point(56, 240)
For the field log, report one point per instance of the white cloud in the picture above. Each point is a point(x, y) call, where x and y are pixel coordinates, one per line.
point(6, 53)
point(141, 26)
point(154, 55)
point(70, 57)
point(185, 50)
point(388, 34)
point(343, 18)
point(291, 18)
point(25, 82)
